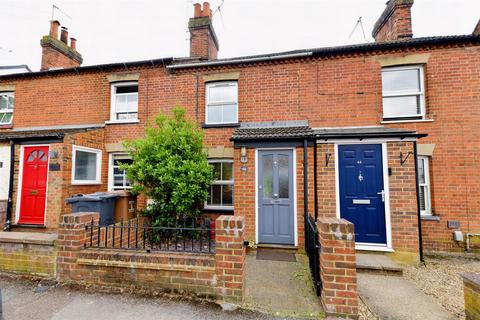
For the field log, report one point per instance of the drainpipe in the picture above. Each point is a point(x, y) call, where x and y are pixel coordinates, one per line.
point(305, 184)
point(420, 239)
point(315, 183)
point(305, 177)
point(8, 218)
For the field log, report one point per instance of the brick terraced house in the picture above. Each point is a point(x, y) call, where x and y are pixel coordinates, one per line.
point(384, 134)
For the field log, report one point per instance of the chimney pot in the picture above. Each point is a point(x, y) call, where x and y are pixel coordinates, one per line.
point(73, 43)
point(206, 12)
point(54, 25)
point(64, 35)
point(197, 10)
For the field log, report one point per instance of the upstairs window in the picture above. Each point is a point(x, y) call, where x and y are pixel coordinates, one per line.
point(124, 104)
point(118, 177)
point(403, 91)
point(221, 189)
point(221, 102)
point(424, 185)
point(6, 107)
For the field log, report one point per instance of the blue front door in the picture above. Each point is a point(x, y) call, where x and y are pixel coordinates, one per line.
point(362, 194)
point(275, 197)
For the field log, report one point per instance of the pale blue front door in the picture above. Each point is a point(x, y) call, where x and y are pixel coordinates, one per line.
point(276, 197)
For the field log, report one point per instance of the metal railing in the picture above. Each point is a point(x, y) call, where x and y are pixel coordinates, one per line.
point(140, 234)
point(312, 246)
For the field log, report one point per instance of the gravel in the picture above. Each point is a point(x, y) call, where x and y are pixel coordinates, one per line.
point(440, 278)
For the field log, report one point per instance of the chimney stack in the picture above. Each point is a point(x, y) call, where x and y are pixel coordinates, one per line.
point(203, 40)
point(64, 35)
point(56, 53)
point(476, 31)
point(395, 23)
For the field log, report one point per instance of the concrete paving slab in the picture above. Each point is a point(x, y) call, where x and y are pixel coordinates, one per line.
point(281, 288)
point(377, 263)
point(395, 298)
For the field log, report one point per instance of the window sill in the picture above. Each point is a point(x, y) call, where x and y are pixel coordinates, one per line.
point(387, 121)
point(220, 125)
point(429, 217)
point(6, 126)
point(82, 183)
point(121, 122)
point(218, 209)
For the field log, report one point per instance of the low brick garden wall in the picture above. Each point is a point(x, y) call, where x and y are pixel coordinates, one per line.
point(471, 290)
point(28, 253)
point(216, 276)
point(338, 268)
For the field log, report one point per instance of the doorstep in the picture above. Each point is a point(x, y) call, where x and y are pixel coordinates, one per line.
point(40, 238)
point(377, 263)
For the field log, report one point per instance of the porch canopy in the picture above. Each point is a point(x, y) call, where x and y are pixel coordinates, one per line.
point(45, 133)
point(361, 133)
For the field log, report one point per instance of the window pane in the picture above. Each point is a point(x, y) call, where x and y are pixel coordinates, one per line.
point(283, 178)
point(217, 170)
point(85, 165)
point(401, 106)
point(127, 89)
point(421, 171)
point(229, 113)
point(227, 168)
point(267, 176)
point(227, 195)
point(127, 116)
point(422, 198)
point(401, 80)
point(214, 114)
point(6, 117)
point(3, 102)
point(222, 93)
point(216, 195)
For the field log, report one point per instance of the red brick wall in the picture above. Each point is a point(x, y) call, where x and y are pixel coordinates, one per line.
point(213, 276)
point(335, 91)
point(338, 268)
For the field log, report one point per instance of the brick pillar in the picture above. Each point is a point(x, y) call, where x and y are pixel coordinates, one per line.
point(471, 290)
point(72, 237)
point(230, 258)
point(338, 268)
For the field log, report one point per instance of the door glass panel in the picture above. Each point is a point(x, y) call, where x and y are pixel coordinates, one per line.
point(267, 176)
point(283, 178)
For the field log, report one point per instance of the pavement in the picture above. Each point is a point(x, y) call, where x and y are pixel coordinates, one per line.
point(23, 299)
point(395, 298)
point(281, 288)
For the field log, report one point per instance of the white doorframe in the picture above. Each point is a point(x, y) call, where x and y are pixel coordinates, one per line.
point(295, 222)
point(388, 227)
point(20, 181)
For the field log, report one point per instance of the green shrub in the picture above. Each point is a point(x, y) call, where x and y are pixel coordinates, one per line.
point(170, 167)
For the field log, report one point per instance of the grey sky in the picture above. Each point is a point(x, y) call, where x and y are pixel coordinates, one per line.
point(127, 30)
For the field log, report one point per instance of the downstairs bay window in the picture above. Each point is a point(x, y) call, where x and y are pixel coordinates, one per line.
point(117, 177)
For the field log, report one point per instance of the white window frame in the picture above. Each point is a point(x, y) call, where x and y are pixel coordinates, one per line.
point(222, 182)
point(426, 185)
point(113, 100)
point(421, 93)
point(111, 178)
point(208, 104)
point(12, 94)
point(98, 178)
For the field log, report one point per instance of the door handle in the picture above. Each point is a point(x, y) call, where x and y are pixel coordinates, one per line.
point(33, 192)
point(383, 195)
point(275, 196)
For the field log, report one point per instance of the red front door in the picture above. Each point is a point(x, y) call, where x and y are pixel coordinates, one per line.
point(34, 185)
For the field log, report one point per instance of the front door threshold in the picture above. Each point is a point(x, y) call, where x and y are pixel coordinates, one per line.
point(367, 247)
point(276, 246)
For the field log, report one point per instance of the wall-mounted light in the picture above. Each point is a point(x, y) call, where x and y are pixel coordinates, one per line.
point(243, 155)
